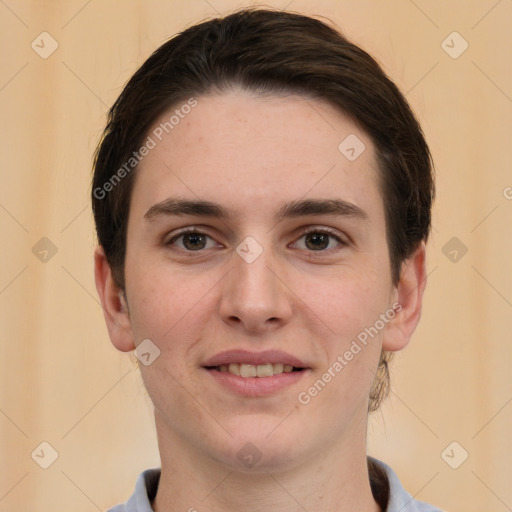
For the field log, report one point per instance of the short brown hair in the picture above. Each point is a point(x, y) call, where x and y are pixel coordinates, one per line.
point(270, 52)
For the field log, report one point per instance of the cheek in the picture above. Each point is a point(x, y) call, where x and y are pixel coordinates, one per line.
point(162, 303)
point(347, 302)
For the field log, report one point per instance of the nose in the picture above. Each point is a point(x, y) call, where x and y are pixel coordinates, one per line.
point(255, 296)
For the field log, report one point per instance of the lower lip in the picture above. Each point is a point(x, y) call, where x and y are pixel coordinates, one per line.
point(256, 386)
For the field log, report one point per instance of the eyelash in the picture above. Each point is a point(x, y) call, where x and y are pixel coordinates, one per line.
point(307, 231)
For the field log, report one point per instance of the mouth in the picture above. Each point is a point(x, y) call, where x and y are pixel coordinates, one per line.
point(255, 374)
point(255, 370)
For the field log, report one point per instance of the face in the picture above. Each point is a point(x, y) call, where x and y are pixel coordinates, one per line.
point(287, 264)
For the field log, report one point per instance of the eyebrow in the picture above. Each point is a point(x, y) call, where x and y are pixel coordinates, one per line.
point(307, 207)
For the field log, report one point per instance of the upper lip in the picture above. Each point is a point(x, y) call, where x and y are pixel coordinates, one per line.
point(254, 358)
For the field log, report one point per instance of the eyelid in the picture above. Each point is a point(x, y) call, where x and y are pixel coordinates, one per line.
point(186, 231)
point(343, 240)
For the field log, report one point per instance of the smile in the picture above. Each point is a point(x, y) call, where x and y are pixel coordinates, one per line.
point(255, 374)
point(256, 370)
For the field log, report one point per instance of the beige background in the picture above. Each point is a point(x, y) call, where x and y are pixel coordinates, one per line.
point(62, 382)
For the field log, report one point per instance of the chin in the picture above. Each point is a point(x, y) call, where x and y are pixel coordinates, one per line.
point(264, 450)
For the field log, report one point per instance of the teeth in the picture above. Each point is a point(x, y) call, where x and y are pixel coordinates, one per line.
point(234, 369)
point(278, 368)
point(265, 370)
point(258, 370)
point(248, 370)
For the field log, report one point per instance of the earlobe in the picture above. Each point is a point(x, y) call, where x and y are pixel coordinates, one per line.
point(113, 302)
point(409, 292)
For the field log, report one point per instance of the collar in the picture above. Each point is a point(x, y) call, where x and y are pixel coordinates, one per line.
point(386, 488)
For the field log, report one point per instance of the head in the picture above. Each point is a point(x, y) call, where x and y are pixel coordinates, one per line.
point(252, 110)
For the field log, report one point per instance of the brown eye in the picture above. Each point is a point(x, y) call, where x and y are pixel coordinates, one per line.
point(191, 240)
point(318, 239)
point(194, 241)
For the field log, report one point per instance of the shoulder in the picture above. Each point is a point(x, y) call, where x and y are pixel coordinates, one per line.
point(399, 500)
point(145, 491)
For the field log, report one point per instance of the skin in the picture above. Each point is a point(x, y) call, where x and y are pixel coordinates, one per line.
point(251, 154)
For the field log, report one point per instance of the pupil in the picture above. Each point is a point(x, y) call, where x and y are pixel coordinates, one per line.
point(193, 241)
point(194, 238)
point(319, 237)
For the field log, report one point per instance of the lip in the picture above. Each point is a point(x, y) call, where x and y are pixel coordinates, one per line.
point(255, 386)
point(254, 358)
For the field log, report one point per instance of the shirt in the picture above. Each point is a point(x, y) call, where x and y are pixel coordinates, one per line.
point(398, 499)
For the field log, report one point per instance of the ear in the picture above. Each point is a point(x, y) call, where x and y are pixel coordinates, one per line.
point(409, 296)
point(113, 302)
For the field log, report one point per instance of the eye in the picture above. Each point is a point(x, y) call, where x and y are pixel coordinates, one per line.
point(317, 239)
point(193, 240)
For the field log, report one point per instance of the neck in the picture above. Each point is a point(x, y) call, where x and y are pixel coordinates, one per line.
point(333, 481)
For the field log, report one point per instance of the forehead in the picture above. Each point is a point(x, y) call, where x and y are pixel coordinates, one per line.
point(254, 153)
